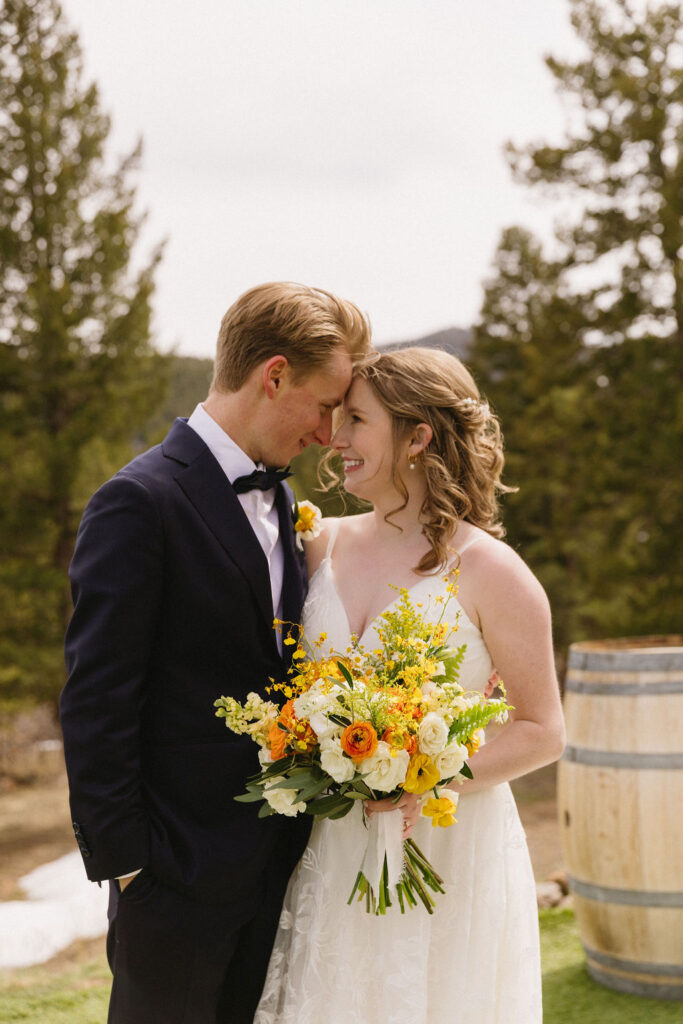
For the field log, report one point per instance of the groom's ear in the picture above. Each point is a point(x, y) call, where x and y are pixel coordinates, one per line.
point(273, 374)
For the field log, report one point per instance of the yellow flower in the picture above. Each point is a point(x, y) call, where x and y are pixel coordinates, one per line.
point(422, 774)
point(441, 810)
point(474, 742)
point(307, 521)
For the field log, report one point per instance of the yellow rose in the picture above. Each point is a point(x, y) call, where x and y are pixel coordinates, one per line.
point(422, 774)
point(441, 811)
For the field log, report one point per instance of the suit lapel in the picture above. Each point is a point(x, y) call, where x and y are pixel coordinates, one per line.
point(204, 484)
point(294, 577)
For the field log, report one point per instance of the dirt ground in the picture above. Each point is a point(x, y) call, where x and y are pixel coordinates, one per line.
point(35, 828)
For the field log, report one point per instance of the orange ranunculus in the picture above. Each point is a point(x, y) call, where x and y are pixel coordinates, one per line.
point(410, 744)
point(302, 739)
point(298, 737)
point(398, 739)
point(277, 740)
point(287, 715)
point(359, 741)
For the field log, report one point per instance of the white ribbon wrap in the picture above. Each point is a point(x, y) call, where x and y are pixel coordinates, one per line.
point(385, 831)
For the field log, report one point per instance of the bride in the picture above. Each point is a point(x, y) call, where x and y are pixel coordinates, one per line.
point(420, 445)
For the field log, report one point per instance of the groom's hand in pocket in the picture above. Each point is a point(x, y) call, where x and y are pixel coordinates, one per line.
point(127, 879)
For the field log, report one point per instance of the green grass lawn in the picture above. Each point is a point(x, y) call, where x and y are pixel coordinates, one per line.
point(570, 996)
point(79, 994)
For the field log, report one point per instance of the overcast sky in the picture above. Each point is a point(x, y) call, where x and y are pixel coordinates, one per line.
point(351, 144)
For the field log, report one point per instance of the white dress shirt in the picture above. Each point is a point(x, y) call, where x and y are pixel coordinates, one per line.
point(259, 506)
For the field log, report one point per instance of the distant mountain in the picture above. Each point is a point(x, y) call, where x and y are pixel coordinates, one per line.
point(456, 340)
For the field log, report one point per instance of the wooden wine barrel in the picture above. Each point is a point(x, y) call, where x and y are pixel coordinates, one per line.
point(620, 803)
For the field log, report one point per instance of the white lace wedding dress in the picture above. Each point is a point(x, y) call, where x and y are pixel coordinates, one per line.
point(475, 959)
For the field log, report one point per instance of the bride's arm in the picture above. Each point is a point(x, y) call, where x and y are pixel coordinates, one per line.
point(515, 621)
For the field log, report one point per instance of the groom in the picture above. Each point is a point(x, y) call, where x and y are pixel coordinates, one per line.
point(182, 561)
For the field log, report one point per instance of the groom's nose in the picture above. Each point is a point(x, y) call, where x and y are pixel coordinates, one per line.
point(323, 433)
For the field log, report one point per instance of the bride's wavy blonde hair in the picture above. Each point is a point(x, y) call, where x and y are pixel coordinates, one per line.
point(463, 462)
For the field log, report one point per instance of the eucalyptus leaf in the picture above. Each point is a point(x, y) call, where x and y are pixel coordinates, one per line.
point(249, 798)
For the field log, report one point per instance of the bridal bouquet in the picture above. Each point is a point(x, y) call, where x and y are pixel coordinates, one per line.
point(365, 725)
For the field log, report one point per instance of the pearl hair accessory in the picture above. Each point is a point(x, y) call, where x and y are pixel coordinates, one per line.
point(483, 407)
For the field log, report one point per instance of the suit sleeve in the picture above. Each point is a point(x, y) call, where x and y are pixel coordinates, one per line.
point(116, 580)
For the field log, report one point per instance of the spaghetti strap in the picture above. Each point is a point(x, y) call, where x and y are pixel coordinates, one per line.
point(333, 531)
point(469, 543)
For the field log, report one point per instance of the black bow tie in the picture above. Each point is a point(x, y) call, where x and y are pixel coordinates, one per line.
point(260, 479)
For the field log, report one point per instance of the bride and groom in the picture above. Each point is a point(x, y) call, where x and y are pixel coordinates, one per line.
point(182, 561)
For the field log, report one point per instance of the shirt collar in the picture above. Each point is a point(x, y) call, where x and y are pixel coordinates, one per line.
point(230, 457)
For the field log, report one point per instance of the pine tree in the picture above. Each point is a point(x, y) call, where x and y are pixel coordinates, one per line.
point(623, 157)
point(77, 367)
point(585, 371)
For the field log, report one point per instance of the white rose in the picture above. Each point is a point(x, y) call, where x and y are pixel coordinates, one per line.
point(334, 761)
point(283, 801)
point(264, 757)
point(450, 761)
point(323, 727)
point(385, 769)
point(432, 735)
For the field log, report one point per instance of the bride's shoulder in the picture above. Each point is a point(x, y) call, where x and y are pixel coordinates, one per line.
point(335, 531)
point(492, 561)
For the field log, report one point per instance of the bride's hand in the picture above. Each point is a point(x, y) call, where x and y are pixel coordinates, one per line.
point(409, 805)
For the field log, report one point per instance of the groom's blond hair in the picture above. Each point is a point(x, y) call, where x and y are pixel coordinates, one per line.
point(303, 324)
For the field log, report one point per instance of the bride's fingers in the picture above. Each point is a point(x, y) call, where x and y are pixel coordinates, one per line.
point(381, 805)
point(410, 806)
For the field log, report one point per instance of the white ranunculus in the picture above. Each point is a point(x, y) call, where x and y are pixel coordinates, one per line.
point(385, 769)
point(334, 761)
point(450, 761)
point(283, 801)
point(265, 757)
point(432, 735)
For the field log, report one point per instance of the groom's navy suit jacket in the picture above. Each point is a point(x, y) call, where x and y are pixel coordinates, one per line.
point(173, 608)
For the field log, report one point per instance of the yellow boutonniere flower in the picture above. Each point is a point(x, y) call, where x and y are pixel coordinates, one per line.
point(307, 519)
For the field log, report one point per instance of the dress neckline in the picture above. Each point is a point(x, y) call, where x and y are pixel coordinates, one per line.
point(327, 562)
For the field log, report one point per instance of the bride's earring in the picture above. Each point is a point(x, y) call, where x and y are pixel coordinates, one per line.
point(411, 462)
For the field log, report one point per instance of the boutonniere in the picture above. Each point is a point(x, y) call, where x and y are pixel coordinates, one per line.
point(307, 519)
